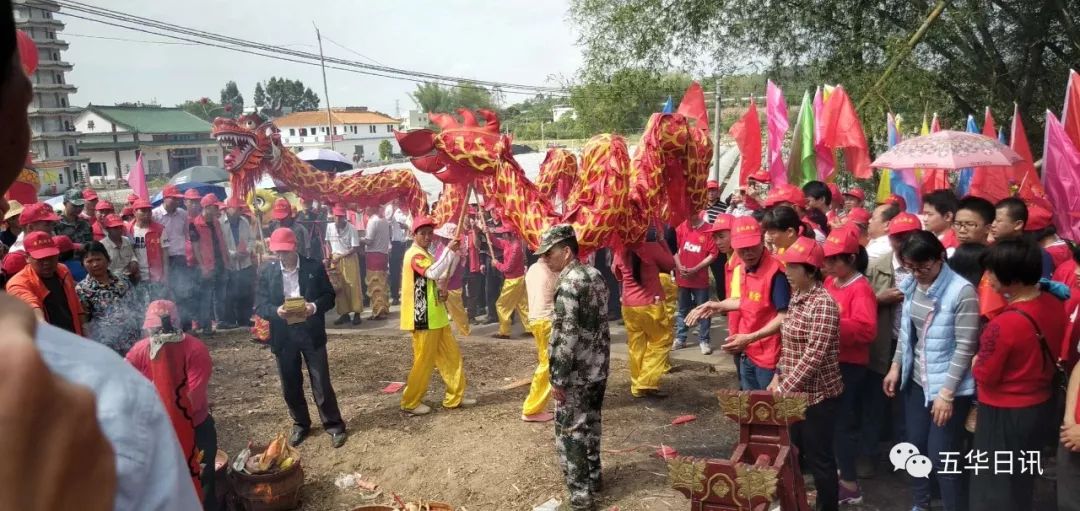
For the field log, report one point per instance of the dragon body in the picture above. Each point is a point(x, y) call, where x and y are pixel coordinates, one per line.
point(254, 148)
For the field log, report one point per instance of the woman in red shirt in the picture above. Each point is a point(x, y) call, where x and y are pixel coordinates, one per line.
point(1013, 369)
point(648, 325)
point(845, 262)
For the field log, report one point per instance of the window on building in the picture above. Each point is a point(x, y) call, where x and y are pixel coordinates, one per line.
point(371, 129)
point(292, 132)
point(56, 56)
point(63, 102)
point(60, 176)
point(389, 128)
point(71, 150)
point(303, 132)
point(90, 125)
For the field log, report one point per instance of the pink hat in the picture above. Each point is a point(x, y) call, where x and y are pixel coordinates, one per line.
point(712, 185)
point(843, 240)
point(804, 250)
point(156, 310)
point(746, 233)
point(283, 240)
point(209, 200)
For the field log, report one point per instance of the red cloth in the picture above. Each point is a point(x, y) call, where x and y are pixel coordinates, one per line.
point(99, 233)
point(747, 134)
point(841, 129)
point(28, 287)
point(171, 373)
point(756, 310)
point(858, 318)
point(512, 262)
point(694, 246)
point(989, 183)
point(155, 251)
point(474, 251)
point(1023, 173)
point(991, 303)
point(1066, 273)
point(1012, 371)
point(1070, 117)
point(1059, 253)
point(376, 261)
point(206, 245)
point(655, 259)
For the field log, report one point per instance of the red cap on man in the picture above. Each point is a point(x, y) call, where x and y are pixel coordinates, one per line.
point(421, 221)
point(712, 185)
point(283, 240)
point(209, 200)
point(904, 222)
point(723, 222)
point(857, 193)
point(158, 309)
point(112, 221)
point(40, 245)
point(192, 194)
point(745, 232)
point(282, 209)
point(340, 211)
point(858, 215)
point(13, 263)
point(142, 204)
point(843, 240)
point(89, 194)
point(172, 191)
point(805, 251)
point(64, 244)
point(898, 201)
point(104, 206)
point(38, 212)
point(132, 197)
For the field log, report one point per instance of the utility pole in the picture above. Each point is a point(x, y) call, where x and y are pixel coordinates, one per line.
point(397, 108)
point(326, 90)
point(716, 133)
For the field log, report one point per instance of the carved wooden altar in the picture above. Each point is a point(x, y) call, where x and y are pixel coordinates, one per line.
point(764, 466)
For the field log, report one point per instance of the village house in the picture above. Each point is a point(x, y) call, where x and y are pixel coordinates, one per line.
point(357, 132)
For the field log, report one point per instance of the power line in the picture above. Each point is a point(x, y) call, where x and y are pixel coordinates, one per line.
point(339, 45)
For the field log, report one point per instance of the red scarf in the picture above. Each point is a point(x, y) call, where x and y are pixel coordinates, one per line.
point(206, 245)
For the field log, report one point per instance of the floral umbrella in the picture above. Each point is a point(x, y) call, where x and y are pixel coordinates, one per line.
point(950, 150)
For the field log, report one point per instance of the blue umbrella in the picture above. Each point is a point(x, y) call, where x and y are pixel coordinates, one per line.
point(203, 189)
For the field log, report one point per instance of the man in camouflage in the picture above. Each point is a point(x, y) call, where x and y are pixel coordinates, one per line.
point(580, 353)
point(70, 224)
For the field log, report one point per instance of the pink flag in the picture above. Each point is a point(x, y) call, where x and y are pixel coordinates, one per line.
point(137, 179)
point(776, 114)
point(825, 159)
point(1061, 178)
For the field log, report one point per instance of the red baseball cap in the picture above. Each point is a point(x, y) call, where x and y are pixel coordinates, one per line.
point(192, 194)
point(858, 215)
point(340, 211)
point(156, 310)
point(898, 200)
point(761, 176)
point(1039, 217)
point(142, 204)
point(210, 200)
point(283, 239)
point(857, 193)
point(112, 221)
point(38, 212)
point(904, 222)
point(64, 244)
point(712, 185)
point(89, 194)
point(804, 250)
point(421, 221)
point(282, 209)
point(746, 232)
point(843, 240)
point(834, 190)
point(13, 263)
point(40, 245)
point(172, 191)
point(104, 206)
point(132, 197)
point(723, 222)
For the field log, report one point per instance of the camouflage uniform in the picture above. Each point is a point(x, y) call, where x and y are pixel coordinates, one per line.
point(580, 353)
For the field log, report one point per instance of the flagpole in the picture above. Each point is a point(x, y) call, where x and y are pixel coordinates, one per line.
point(716, 133)
point(326, 90)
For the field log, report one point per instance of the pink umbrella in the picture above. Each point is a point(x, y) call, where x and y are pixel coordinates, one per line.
point(949, 150)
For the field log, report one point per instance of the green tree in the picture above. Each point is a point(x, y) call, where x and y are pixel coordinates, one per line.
point(385, 150)
point(204, 108)
point(230, 95)
point(432, 97)
point(435, 98)
point(976, 53)
point(281, 94)
point(623, 101)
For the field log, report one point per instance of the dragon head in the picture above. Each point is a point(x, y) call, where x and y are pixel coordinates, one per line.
point(250, 145)
point(461, 152)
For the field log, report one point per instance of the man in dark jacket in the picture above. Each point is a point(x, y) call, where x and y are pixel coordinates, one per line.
point(294, 294)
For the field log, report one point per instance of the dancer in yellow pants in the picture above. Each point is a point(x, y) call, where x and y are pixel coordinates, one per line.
point(455, 305)
point(424, 314)
point(513, 295)
point(540, 282)
point(646, 314)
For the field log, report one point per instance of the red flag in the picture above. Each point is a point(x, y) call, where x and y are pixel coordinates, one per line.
point(747, 134)
point(991, 184)
point(693, 106)
point(841, 129)
point(137, 179)
point(1023, 175)
point(991, 303)
point(934, 179)
point(1070, 115)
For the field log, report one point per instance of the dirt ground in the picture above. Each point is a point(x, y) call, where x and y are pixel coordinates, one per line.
point(483, 457)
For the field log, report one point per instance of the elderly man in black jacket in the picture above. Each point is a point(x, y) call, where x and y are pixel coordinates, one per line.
point(299, 333)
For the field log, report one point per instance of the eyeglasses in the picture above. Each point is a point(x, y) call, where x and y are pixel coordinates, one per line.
point(922, 268)
point(964, 226)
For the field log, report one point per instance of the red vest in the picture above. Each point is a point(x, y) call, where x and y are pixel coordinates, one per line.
point(155, 252)
point(206, 245)
point(756, 311)
point(1059, 253)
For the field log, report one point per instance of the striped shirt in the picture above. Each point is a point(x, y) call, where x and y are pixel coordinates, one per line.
point(715, 209)
point(966, 330)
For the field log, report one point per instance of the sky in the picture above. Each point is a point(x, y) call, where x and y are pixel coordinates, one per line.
point(517, 41)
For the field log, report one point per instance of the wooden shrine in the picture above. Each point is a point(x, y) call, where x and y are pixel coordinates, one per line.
point(764, 466)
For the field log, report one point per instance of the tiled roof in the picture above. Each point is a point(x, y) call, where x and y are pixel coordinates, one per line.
point(150, 119)
point(340, 117)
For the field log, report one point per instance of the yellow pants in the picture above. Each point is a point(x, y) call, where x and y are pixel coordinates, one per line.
point(540, 390)
point(455, 306)
point(350, 298)
point(434, 349)
point(378, 293)
point(671, 293)
point(648, 342)
point(512, 298)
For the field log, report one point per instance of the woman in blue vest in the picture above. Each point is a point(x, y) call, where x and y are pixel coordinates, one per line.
point(939, 328)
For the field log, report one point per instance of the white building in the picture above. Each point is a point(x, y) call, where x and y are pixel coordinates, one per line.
point(55, 139)
point(415, 120)
point(170, 140)
point(357, 132)
point(557, 112)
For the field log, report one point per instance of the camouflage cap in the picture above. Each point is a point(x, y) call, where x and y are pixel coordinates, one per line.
point(553, 235)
